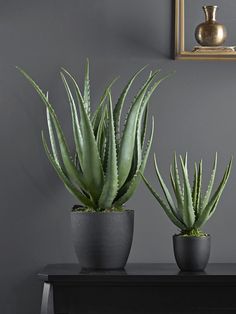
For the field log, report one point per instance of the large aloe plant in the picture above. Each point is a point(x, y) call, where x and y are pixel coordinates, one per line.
point(105, 170)
point(192, 208)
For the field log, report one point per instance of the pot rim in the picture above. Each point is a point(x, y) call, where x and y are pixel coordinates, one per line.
point(191, 237)
point(102, 212)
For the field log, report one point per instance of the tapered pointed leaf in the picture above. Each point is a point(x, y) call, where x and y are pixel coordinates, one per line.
point(172, 178)
point(178, 210)
point(210, 185)
point(119, 105)
point(144, 126)
point(128, 139)
point(194, 189)
point(142, 112)
point(110, 187)
point(65, 154)
point(97, 114)
point(163, 186)
point(136, 161)
point(137, 156)
point(52, 138)
point(101, 132)
point(104, 155)
point(167, 210)
point(136, 179)
point(87, 89)
point(140, 133)
point(178, 189)
point(186, 160)
point(92, 166)
point(68, 184)
point(78, 139)
point(199, 186)
point(211, 206)
point(138, 140)
point(188, 211)
point(79, 96)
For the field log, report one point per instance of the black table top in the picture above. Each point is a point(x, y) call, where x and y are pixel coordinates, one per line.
point(142, 272)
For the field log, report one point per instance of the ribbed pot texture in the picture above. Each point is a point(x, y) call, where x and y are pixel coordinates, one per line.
point(191, 253)
point(102, 240)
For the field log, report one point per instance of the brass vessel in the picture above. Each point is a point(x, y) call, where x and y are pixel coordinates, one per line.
point(210, 33)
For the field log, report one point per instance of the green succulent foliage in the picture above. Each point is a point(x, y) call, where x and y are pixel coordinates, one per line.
point(104, 169)
point(191, 208)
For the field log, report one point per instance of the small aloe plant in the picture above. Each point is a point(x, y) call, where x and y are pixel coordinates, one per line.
point(192, 208)
point(105, 170)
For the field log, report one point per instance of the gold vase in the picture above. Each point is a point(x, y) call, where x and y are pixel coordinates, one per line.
point(210, 33)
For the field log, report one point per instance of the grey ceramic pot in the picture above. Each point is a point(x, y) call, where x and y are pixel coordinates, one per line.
point(102, 240)
point(192, 253)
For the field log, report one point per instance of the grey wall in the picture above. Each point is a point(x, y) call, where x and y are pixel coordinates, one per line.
point(195, 111)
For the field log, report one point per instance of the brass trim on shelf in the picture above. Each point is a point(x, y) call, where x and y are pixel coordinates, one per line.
point(180, 52)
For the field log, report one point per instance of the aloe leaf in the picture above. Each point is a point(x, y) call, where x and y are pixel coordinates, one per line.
point(78, 91)
point(97, 114)
point(199, 186)
point(104, 156)
point(78, 139)
point(167, 210)
point(52, 138)
point(140, 133)
point(133, 184)
point(65, 154)
point(110, 187)
point(87, 89)
point(133, 172)
point(136, 162)
point(154, 87)
point(210, 185)
point(138, 142)
point(163, 186)
point(145, 120)
point(188, 211)
point(101, 132)
point(92, 166)
point(76, 160)
point(140, 136)
point(211, 206)
point(178, 210)
point(68, 184)
point(186, 160)
point(194, 190)
point(144, 127)
point(142, 112)
point(96, 122)
point(128, 139)
point(178, 189)
point(172, 178)
point(120, 103)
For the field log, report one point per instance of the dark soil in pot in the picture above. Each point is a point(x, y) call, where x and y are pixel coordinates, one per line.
point(102, 240)
point(191, 253)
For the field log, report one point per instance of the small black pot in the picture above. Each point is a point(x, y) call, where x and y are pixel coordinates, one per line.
point(102, 240)
point(191, 253)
